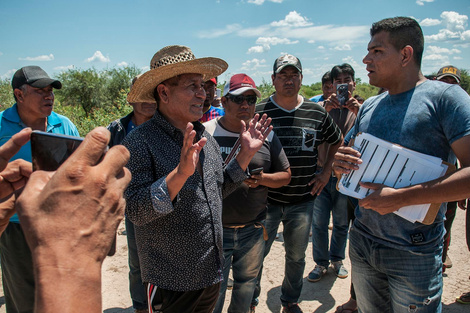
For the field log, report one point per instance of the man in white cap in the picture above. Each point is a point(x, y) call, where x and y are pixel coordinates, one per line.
point(33, 92)
point(178, 182)
point(244, 210)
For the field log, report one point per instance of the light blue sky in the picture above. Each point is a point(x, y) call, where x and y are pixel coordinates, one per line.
point(248, 34)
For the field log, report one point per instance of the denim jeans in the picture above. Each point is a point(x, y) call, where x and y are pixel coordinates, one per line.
point(244, 251)
point(330, 200)
point(297, 220)
point(136, 287)
point(389, 280)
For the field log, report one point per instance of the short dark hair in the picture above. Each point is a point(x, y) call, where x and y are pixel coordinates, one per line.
point(403, 31)
point(326, 78)
point(344, 68)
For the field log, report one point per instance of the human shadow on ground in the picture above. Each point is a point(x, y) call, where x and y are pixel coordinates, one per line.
point(455, 308)
point(319, 291)
point(119, 310)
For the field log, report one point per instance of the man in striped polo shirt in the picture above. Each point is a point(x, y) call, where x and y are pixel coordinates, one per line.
point(301, 126)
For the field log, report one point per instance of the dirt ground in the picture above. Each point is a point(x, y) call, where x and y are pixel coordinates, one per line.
point(320, 297)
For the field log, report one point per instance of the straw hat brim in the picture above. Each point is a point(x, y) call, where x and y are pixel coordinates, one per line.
point(142, 90)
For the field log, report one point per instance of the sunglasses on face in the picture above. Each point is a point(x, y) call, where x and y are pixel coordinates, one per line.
point(250, 100)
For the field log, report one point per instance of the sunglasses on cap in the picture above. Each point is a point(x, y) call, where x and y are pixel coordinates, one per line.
point(250, 100)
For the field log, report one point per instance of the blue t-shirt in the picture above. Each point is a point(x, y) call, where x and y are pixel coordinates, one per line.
point(10, 124)
point(427, 119)
point(317, 98)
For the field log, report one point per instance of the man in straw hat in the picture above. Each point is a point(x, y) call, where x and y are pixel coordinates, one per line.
point(120, 128)
point(175, 196)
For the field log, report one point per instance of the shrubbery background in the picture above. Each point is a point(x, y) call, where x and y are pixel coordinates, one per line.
point(91, 98)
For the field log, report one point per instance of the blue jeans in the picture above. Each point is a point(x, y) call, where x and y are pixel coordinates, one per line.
point(244, 251)
point(136, 287)
point(389, 280)
point(330, 200)
point(297, 220)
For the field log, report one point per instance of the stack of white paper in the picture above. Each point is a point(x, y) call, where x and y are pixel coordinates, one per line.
point(394, 166)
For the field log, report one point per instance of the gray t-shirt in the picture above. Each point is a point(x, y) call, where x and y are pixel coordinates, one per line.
point(427, 119)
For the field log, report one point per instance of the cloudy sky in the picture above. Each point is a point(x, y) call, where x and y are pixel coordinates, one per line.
point(248, 34)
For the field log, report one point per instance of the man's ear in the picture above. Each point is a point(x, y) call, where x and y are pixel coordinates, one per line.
point(163, 93)
point(407, 55)
point(19, 95)
point(223, 100)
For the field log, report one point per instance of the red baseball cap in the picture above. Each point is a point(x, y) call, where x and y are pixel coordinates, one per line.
point(238, 84)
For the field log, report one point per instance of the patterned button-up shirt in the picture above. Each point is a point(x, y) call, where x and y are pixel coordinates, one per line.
point(179, 242)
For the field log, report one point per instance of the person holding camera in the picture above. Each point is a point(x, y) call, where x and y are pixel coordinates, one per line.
point(342, 107)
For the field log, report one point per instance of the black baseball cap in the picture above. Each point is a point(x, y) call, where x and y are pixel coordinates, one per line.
point(286, 60)
point(33, 76)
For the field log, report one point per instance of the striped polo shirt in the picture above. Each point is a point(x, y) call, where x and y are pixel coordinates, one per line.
point(300, 131)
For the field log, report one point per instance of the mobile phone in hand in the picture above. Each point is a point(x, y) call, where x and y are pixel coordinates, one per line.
point(49, 151)
point(342, 93)
point(256, 171)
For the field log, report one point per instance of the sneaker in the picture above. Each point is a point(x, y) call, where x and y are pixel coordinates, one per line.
point(340, 270)
point(291, 308)
point(317, 273)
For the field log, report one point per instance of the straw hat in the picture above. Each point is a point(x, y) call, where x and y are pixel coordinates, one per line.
point(170, 62)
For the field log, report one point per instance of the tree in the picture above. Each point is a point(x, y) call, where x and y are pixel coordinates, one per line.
point(6, 94)
point(82, 88)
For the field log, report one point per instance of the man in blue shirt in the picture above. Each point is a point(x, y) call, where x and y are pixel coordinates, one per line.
point(326, 87)
point(33, 92)
point(396, 264)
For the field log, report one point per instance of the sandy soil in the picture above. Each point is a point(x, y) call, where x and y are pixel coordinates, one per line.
point(320, 297)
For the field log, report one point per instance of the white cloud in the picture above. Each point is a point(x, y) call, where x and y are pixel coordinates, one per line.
point(122, 64)
point(49, 57)
point(265, 43)
point(64, 68)
point(258, 49)
point(430, 22)
point(275, 41)
point(439, 50)
point(98, 57)
point(293, 19)
point(443, 35)
point(8, 74)
point(465, 36)
point(454, 21)
point(421, 2)
point(251, 65)
point(214, 33)
point(260, 2)
point(342, 48)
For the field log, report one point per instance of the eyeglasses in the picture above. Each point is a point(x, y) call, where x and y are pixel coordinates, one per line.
point(250, 100)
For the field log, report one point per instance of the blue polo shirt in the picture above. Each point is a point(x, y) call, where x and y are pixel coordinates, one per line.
point(10, 124)
point(317, 98)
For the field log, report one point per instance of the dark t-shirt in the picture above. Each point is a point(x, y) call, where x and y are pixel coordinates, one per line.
point(248, 205)
point(300, 131)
